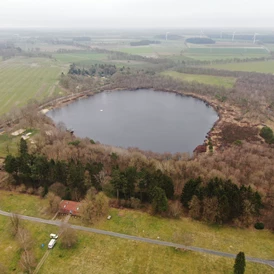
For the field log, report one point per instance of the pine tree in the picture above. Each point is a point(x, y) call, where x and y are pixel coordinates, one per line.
point(239, 266)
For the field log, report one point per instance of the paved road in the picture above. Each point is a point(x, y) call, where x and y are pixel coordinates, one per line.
point(141, 239)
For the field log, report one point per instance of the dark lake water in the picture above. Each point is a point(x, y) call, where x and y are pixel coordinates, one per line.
point(150, 120)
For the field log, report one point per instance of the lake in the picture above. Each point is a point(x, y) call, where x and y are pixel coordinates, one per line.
point(150, 120)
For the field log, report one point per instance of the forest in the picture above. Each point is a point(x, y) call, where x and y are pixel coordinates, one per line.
point(216, 201)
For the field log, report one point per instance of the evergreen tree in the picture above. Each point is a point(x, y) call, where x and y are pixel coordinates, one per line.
point(239, 266)
point(190, 189)
point(23, 147)
point(159, 200)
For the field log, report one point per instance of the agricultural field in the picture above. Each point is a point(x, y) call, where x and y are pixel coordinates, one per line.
point(80, 58)
point(263, 67)
point(227, 82)
point(224, 51)
point(228, 50)
point(24, 78)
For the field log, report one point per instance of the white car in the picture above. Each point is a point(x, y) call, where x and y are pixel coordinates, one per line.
point(53, 236)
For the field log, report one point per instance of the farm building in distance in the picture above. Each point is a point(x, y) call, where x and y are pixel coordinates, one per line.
point(69, 207)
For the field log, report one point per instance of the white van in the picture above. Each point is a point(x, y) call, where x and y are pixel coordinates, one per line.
point(52, 243)
point(53, 236)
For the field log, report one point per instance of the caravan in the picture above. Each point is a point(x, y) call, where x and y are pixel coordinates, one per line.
point(51, 243)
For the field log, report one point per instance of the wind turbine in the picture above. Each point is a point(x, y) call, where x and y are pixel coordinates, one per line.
point(233, 35)
point(166, 35)
point(201, 34)
point(254, 37)
point(221, 35)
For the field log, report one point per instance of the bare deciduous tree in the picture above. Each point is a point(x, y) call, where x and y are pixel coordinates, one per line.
point(27, 261)
point(68, 236)
point(15, 224)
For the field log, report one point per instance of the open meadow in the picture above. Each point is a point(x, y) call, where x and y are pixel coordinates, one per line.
point(24, 78)
point(104, 254)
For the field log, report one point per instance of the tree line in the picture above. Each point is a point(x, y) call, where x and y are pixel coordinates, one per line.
point(216, 200)
point(71, 180)
point(144, 43)
point(220, 201)
point(101, 70)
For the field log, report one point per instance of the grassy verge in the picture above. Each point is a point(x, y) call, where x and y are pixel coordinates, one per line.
point(227, 82)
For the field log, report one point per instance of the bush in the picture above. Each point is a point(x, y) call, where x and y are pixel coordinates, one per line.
point(259, 226)
point(267, 134)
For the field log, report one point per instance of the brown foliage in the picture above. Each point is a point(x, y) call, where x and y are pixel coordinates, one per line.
point(54, 202)
point(15, 224)
point(27, 261)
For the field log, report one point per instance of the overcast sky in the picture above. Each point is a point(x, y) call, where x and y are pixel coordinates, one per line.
point(136, 13)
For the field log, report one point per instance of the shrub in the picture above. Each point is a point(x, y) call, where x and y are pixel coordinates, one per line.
point(259, 226)
point(267, 134)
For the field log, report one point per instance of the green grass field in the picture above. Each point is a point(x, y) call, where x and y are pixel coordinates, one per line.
point(22, 79)
point(80, 58)
point(186, 231)
point(8, 144)
point(104, 254)
point(227, 82)
point(108, 255)
point(264, 67)
point(23, 204)
point(10, 250)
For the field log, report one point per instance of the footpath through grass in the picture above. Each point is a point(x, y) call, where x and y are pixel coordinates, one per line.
point(227, 82)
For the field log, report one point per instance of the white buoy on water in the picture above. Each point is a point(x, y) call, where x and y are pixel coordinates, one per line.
point(101, 110)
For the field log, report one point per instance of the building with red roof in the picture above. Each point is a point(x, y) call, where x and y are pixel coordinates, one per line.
point(70, 207)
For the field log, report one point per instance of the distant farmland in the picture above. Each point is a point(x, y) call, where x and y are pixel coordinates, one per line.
point(24, 78)
point(228, 50)
point(263, 67)
point(227, 82)
point(81, 58)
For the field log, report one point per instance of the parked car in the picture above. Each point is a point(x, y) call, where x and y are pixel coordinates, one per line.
point(53, 236)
